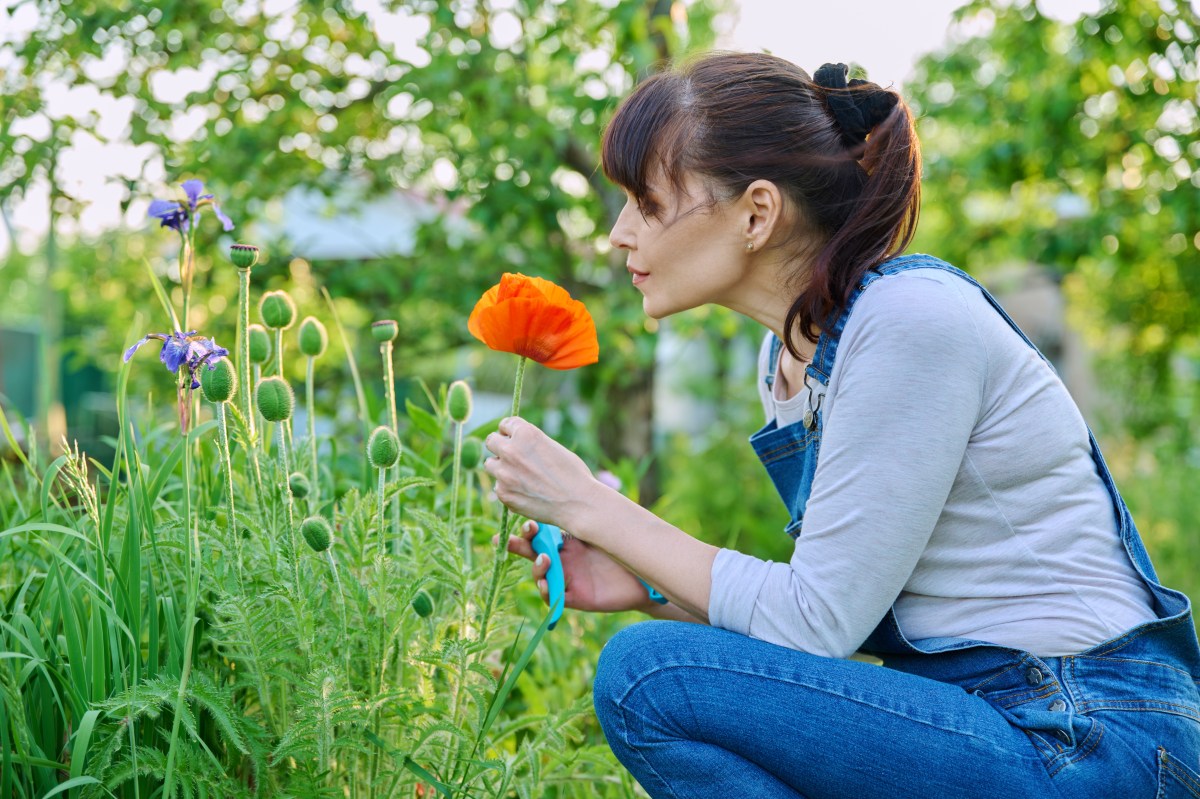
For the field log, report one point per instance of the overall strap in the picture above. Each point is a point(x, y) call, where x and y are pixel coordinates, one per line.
point(831, 334)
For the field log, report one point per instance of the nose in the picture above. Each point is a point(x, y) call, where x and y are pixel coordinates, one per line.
point(621, 236)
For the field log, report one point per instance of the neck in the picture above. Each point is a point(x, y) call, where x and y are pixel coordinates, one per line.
point(764, 296)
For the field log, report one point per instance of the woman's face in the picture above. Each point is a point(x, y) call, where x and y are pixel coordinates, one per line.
point(686, 255)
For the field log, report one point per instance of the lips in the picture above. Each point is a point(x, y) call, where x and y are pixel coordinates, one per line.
point(638, 277)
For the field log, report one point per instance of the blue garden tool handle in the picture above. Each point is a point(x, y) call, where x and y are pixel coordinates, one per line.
point(654, 595)
point(548, 541)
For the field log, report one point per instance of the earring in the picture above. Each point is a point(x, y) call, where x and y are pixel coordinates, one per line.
point(749, 245)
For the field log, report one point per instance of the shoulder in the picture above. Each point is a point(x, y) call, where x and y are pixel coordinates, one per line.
point(919, 321)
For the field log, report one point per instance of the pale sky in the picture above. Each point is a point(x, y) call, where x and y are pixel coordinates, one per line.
point(884, 36)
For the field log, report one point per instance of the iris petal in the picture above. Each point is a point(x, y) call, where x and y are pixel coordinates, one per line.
point(192, 188)
point(225, 221)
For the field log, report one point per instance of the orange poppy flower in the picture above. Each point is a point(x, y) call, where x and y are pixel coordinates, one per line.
point(538, 319)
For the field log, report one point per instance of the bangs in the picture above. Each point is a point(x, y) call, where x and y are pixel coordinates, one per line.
point(648, 136)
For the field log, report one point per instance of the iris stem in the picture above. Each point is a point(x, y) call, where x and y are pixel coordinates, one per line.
point(501, 554)
point(192, 575)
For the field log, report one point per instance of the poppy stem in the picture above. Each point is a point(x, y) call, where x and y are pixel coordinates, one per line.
point(502, 540)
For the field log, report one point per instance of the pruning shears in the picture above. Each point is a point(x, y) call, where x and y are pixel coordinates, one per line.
point(549, 541)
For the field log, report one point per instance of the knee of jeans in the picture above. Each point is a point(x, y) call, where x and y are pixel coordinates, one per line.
point(626, 657)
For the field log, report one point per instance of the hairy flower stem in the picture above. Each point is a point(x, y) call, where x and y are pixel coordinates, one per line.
point(389, 387)
point(286, 423)
point(502, 540)
point(286, 490)
point(243, 345)
point(192, 575)
point(315, 496)
point(233, 531)
point(342, 603)
point(466, 536)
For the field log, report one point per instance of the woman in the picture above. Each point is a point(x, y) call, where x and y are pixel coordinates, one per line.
point(959, 522)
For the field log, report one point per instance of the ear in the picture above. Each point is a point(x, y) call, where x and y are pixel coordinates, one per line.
point(760, 211)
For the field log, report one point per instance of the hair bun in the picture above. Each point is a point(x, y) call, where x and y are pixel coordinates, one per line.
point(857, 105)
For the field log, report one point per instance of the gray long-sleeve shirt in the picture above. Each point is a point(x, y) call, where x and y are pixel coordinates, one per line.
point(955, 481)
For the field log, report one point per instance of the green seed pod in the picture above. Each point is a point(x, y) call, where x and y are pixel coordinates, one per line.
point(299, 485)
point(317, 533)
point(260, 344)
point(458, 401)
point(385, 330)
point(313, 338)
point(383, 450)
point(472, 453)
point(422, 603)
point(277, 310)
point(243, 256)
point(220, 382)
point(274, 399)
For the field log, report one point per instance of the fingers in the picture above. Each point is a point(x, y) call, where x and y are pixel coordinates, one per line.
point(521, 544)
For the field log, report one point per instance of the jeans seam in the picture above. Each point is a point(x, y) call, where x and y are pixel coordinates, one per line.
point(1127, 639)
point(1168, 763)
point(1068, 759)
point(636, 750)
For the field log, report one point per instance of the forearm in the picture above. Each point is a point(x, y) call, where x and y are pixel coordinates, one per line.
point(670, 612)
point(672, 561)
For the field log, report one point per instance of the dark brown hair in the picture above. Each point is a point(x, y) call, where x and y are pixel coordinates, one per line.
point(734, 118)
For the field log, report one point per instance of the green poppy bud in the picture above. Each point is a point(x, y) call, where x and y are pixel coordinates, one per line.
point(317, 533)
point(383, 450)
point(422, 603)
point(472, 453)
point(458, 401)
point(260, 344)
point(243, 256)
point(385, 330)
point(277, 310)
point(219, 383)
point(299, 485)
point(275, 399)
point(313, 338)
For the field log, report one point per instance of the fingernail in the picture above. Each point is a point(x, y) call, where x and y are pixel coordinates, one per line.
point(529, 526)
point(542, 560)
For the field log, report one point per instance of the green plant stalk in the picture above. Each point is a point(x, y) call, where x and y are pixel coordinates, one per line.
point(379, 556)
point(233, 531)
point(502, 540)
point(466, 539)
point(185, 274)
point(243, 345)
point(286, 423)
point(389, 386)
point(193, 593)
point(286, 490)
point(342, 602)
point(309, 403)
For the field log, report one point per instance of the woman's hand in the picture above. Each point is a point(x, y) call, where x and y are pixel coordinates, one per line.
point(538, 478)
point(594, 581)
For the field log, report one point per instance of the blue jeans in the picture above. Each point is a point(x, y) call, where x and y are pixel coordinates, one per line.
point(696, 711)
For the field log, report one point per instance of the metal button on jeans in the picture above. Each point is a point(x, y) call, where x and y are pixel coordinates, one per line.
point(1058, 705)
point(1034, 676)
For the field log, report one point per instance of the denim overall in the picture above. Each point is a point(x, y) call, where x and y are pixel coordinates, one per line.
point(1129, 703)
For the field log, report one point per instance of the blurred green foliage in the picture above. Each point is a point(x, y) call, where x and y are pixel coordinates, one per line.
point(312, 95)
point(1073, 146)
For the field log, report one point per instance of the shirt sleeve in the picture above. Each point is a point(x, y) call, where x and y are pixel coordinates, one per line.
point(906, 393)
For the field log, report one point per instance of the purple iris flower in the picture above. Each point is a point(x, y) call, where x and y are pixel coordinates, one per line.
point(175, 216)
point(183, 349)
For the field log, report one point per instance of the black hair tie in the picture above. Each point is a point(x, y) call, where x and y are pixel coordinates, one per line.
point(856, 112)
